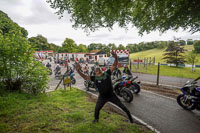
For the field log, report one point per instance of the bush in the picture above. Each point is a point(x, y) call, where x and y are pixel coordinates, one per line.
point(190, 42)
point(197, 46)
point(19, 70)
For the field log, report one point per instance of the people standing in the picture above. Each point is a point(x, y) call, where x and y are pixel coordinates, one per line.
point(126, 70)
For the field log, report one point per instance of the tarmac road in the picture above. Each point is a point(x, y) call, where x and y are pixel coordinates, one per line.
point(164, 80)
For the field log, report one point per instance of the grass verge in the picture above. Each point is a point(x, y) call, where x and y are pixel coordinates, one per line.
point(58, 111)
point(182, 72)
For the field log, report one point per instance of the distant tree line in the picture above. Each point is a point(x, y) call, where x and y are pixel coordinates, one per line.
point(69, 46)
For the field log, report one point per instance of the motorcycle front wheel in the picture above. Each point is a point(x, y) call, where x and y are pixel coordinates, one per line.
point(126, 95)
point(135, 88)
point(73, 81)
point(185, 103)
point(86, 84)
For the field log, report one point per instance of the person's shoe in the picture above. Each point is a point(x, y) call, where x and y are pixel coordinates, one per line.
point(132, 121)
point(95, 121)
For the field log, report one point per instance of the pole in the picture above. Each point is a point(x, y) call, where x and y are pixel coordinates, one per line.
point(158, 74)
point(150, 61)
point(130, 65)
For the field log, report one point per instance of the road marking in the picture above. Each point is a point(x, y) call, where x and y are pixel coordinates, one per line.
point(159, 95)
point(135, 117)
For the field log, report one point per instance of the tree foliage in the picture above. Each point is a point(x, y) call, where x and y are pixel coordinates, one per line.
point(190, 42)
point(192, 59)
point(18, 68)
point(197, 46)
point(95, 46)
point(69, 46)
point(82, 48)
point(174, 54)
point(182, 42)
point(146, 15)
point(146, 46)
point(8, 26)
point(40, 43)
point(112, 46)
point(53, 47)
point(121, 47)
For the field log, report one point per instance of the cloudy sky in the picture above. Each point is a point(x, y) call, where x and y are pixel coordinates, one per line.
point(37, 17)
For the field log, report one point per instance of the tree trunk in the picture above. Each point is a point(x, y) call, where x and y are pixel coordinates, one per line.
point(192, 67)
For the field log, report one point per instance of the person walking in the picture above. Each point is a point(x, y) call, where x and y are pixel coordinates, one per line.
point(66, 63)
point(104, 84)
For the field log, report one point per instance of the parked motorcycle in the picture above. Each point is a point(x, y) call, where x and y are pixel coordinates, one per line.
point(50, 71)
point(190, 97)
point(89, 84)
point(58, 74)
point(131, 83)
point(121, 90)
point(73, 80)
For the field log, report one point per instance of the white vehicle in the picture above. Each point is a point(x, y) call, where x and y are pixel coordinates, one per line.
point(101, 61)
point(110, 61)
point(123, 57)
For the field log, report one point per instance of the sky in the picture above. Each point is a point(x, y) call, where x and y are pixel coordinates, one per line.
point(37, 17)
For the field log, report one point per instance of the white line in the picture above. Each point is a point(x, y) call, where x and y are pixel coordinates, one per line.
point(135, 117)
point(159, 95)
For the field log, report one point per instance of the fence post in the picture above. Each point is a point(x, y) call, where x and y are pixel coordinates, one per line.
point(138, 62)
point(158, 74)
point(150, 61)
point(147, 61)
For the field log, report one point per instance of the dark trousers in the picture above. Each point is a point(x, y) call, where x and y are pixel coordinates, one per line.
point(115, 100)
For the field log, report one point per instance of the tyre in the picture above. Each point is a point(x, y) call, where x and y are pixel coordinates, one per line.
point(185, 103)
point(86, 84)
point(50, 73)
point(126, 95)
point(73, 81)
point(135, 88)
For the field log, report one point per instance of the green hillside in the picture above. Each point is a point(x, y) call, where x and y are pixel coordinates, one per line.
point(158, 54)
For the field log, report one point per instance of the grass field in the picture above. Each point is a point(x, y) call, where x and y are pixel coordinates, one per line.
point(168, 71)
point(158, 54)
point(59, 111)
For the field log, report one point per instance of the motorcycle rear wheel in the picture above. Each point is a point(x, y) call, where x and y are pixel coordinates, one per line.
point(186, 104)
point(126, 95)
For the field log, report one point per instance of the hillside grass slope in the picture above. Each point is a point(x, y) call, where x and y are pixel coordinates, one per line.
point(158, 54)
